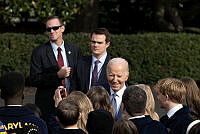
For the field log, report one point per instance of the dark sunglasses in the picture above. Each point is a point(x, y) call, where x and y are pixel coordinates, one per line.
point(54, 28)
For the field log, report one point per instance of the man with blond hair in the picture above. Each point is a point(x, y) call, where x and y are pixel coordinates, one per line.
point(171, 94)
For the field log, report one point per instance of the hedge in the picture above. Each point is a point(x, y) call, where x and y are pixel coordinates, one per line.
point(151, 56)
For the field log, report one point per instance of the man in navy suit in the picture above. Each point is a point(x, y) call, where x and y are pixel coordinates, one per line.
point(91, 69)
point(117, 75)
point(134, 102)
point(52, 65)
point(171, 95)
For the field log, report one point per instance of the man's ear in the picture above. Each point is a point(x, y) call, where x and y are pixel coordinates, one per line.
point(63, 28)
point(167, 97)
point(107, 44)
point(59, 121)
point(127, 75)
point(79, 116)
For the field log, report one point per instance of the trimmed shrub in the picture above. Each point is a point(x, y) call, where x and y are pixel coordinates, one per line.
point(151, 56)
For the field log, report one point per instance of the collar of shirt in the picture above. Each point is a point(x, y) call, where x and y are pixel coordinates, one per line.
point(55, 47)
point(118, 96)
point(136, 117)
point(120, 92)
point(55, 51)
point(14, 105)
point(72, 128)
point(172, 111)
point(102, 60)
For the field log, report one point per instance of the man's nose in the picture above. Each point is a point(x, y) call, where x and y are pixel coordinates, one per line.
point(51, 31)
point(115, 78)
point(95, 44)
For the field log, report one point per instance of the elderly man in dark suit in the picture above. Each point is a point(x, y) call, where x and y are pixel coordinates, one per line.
point(91, 70)
point(117, 75)
point(52, 65)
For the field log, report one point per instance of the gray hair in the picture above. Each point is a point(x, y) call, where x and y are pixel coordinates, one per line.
point(118, 61)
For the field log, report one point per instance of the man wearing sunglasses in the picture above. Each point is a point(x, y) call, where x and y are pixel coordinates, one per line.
point(52, 65)
point(91, 70)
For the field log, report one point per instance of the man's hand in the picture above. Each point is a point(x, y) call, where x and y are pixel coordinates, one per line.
point(64, 72)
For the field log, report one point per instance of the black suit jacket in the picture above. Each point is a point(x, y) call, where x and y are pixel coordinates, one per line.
point(146, 125)
point(83, 73)
point(43, 72)
point(178, 123)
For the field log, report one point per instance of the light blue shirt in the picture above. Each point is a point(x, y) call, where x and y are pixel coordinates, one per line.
point(63, 52)
point(118, 97)
point(102, 60)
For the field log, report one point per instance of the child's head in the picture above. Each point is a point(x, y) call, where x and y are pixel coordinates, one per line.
point(84, 104)
point(134, 100)
point(100, 99)
point(67, 113)
point(100, 122)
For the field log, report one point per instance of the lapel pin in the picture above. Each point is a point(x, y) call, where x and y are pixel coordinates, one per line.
point(69, 52)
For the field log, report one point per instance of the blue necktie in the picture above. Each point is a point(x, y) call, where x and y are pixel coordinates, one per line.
point(114, 103)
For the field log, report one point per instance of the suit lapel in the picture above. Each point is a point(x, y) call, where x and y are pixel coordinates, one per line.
point(87, 69)
point(50, 54)
point(102, 76)
point(68, 52)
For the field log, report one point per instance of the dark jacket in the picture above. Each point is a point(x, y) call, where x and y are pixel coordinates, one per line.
point(55, 128)
point(147, 125)
point(83, 73)
point(43, 73)
point(179, 122)
point(16, 117)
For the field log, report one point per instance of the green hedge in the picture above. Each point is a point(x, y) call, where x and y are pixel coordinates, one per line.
point(151, 56)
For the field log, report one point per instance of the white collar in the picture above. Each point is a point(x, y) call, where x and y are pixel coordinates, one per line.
point(72, 128)
point(120, 92)
point(102, 59)
point(14, 105)
point(55, 47)
point(136, 117)
point(172, 111)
